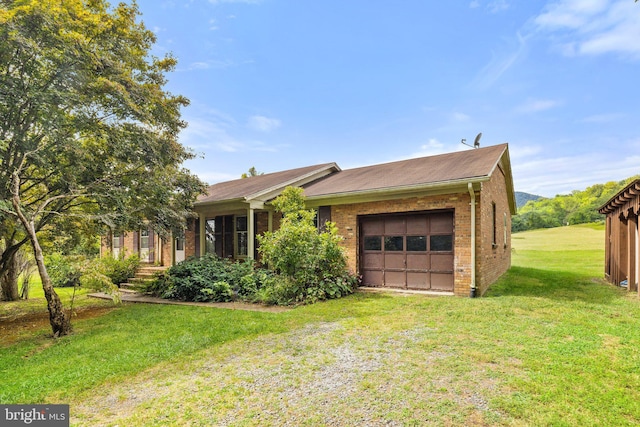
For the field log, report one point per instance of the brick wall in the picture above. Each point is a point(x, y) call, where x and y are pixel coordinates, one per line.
point(345, 217)
point(162, 251)
point(190, 238)
point(493, 259)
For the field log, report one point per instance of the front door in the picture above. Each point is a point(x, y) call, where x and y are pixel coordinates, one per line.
point(180, 255)
point(146, 246)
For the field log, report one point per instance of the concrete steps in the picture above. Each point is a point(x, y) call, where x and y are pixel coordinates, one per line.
point(143, 276)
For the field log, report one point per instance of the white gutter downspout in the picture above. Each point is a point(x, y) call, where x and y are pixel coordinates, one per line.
point(472, 293)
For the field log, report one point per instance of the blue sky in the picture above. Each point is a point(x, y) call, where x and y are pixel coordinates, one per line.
point(281, 84)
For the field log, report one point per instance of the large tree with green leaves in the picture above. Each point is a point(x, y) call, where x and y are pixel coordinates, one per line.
point(87, 129)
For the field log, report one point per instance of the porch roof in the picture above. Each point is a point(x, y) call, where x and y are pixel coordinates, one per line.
point(262, 186)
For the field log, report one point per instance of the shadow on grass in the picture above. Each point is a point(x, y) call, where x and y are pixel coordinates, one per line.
point(555, 285)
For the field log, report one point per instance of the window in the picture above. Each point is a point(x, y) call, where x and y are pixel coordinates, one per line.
point(494, 239)
point(323, 214)
point(219, 236)
point(242, 235)
point(441, 243)
point(504, 231)
point(417, 243)
point(117, 243)
point(373, 243)
point(144, 239)
point(393, 243)
point(210, 236)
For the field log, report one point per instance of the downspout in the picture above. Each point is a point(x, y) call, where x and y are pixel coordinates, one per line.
point(472, 293)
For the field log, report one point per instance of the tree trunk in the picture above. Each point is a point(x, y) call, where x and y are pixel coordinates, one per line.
point(60, 322)
point(9, 279)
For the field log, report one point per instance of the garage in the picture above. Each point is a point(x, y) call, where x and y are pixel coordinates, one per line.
point(409, 251)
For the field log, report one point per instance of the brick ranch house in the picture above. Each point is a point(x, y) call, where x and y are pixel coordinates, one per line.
point(439, 223)
point(622, 237)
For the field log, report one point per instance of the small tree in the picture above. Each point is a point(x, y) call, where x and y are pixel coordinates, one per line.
point(87, 129)
point(251, 172)
point(312, 263)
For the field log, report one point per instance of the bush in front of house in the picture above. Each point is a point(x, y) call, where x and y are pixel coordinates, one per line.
point(64, 270)
point(70, 270)
point(117, 269)
point(309, 265)
point(211, 279)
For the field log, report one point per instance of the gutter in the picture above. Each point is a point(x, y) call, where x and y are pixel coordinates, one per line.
point(403, 190)
point(472, 193)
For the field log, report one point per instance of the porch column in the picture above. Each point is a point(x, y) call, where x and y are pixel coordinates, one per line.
point(270, 220)
point(631, 252)
point(203, 234)
point(251, 231)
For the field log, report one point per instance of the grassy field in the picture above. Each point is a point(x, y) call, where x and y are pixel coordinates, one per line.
point(550, 344)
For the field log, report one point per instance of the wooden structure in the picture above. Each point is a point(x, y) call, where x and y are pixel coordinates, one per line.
point(622, 240)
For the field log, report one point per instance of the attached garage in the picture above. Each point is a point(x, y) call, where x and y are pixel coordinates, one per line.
point(409, 251)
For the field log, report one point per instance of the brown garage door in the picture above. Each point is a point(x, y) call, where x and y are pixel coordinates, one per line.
point(411, 251)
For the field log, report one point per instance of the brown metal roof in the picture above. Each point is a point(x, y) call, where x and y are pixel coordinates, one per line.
point(624, 198)
point(442, 168)
point(248, 187)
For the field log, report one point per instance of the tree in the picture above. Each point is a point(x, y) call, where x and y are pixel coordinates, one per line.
point(251, 172)
point(312, 265)
point(86, 127)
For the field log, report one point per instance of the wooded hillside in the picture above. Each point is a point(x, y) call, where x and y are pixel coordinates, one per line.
point(579, 207)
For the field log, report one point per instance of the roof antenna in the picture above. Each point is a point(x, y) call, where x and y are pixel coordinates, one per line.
point(476, 143)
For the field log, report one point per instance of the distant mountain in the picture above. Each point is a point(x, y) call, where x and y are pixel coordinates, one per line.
point(522, 198)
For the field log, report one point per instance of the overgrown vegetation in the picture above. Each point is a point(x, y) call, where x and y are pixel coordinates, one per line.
point(579, 207)
point(301, 265)
point(312, 265)
point(210, 278)
point(104, 274)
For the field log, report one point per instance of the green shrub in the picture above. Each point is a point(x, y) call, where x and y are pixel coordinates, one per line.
point(311, 265)
point(64, 270)
point(118, 269)
point(93, 279)
point(210, 278)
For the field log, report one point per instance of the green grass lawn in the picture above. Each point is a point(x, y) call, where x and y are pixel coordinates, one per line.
point(549, 344)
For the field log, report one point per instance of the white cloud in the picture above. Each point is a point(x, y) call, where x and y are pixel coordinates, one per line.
point(498, 6)
point(548, 176)
point(213, 131)
point(263, 124)
point(536, 105)
point(474, 4)
point(212, 25)
point(460, 117)
point(592, 27)
point(518, 151)
point(603, 118)
point(210, 64)
point(430, 148)
point(500, 64)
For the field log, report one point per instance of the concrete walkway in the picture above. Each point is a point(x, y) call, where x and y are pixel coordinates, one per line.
point(131, 296)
